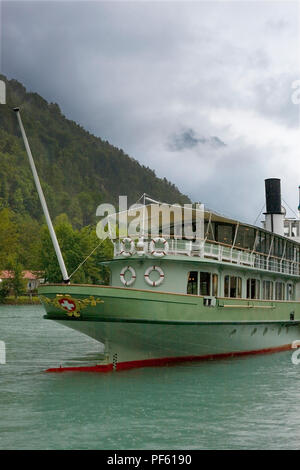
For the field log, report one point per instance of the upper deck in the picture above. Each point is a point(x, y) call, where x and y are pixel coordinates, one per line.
point(226, 241)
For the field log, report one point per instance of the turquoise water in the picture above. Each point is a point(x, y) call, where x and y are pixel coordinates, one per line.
point(248, 403)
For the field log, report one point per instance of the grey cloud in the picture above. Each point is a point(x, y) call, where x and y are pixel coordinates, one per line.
point(279, 25)
point(273, 98)
point(135, 73)
point(187, 139)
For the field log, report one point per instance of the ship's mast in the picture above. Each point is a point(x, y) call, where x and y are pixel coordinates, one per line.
point(43, 202)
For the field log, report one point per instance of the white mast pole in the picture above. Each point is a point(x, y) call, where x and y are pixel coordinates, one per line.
point(43, 202)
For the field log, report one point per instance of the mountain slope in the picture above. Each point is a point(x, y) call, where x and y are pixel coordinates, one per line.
point(78, 171)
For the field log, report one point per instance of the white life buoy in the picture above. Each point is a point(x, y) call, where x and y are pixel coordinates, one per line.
point(125, 252)
point(147, 276)
point(122, 276)
point(161, 252)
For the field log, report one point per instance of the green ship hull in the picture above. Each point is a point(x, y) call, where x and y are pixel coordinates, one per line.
point(143, 327)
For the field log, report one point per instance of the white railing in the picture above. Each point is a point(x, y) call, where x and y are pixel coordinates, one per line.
point(223, 253)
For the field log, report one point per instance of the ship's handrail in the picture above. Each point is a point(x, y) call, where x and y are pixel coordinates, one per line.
point(223, 253)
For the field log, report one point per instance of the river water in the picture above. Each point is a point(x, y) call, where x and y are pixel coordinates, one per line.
point(241, 403)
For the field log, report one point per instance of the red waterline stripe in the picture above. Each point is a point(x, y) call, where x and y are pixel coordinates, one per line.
point(100, 368)
point(164, 361)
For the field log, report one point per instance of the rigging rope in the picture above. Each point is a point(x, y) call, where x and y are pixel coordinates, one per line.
point(79, 266)
point(290, 208)
point(259, 214)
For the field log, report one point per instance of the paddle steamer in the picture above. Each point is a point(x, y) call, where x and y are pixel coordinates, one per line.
point(233, 292)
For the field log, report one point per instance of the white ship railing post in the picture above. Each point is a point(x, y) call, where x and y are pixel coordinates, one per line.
point(43, 202)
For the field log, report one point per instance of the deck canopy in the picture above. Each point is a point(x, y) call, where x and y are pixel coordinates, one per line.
point(158, 219)
point(193, 222)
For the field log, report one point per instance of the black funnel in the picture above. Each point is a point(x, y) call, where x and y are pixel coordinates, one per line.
point(273, 196)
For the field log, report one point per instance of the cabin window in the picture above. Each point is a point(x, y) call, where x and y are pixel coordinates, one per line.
point(268, 290)
point(253, 289)
point(278, 247)
point(262, 243)
point(275, 246)
point(245, 237)
point(208, 284)
point(295, 228)
point(279, 290)
point(192, 284)
point(232, 286)
point(226, 286)
point(289, 291)
point(268, 243)
point(205, 283)
point(289, 251)
point(225, 233)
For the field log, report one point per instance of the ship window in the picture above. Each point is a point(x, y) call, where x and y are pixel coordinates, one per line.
point(278, 247)
point(289, 291)
point(289, 251)
point(268, 243)
point(205, 283)
point(262, 243)
point(214, 285)
point(226, 286)
point(192, 284)
point(245, 237)
point(253, 289)
point(268, 290)
point(286, 228)
point(295, 228)
point(225, 233)
point(279, 290)
point(232, 286)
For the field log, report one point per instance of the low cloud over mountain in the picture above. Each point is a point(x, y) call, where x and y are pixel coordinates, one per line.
point(188, 139)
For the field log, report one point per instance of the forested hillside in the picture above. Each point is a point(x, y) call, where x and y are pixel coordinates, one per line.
point(78, 171)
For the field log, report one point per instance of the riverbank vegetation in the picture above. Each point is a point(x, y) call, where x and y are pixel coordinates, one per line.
point(21, 300)
point(25, 244)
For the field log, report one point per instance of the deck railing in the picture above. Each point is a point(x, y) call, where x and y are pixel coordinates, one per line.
point(223, 253)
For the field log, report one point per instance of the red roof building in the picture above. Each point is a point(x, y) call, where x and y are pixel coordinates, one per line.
point(33, 279)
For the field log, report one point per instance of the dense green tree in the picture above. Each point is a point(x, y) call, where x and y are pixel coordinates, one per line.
point(9, 237)
point(69, 243)
point(29, 231)
point(16, 283)
point(76, 245)
point(93, 269)
point(4, 290)
point(78, 171)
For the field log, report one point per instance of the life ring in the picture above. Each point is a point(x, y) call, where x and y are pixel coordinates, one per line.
point(154, 251)
point(122, 276)
point(125, 252)
point(147, 276)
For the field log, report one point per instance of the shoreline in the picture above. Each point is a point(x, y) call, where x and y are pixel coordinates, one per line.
point(22, 300)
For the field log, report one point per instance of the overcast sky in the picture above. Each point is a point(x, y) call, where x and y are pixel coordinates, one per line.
point(198, 91)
